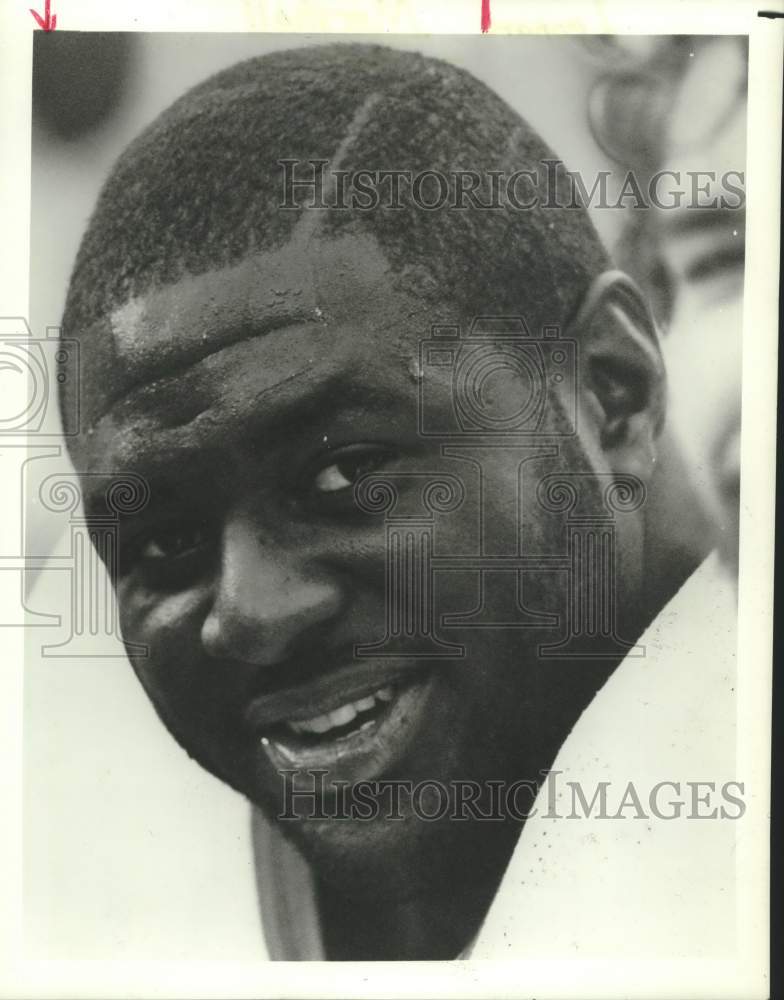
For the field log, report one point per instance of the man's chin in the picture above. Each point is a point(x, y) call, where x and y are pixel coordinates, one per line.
point(400, 859)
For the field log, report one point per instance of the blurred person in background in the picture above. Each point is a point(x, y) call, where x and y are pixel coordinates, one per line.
point(679, 104)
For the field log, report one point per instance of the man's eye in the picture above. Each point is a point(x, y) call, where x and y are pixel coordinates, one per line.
point(171, 555)
point(174, 543)
point(343, 473)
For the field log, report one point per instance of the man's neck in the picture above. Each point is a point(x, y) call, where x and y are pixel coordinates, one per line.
point(433, 926)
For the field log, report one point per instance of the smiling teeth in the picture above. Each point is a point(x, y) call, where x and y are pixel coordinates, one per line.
point(343, 715)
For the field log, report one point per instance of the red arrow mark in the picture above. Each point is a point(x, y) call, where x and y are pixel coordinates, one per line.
point(47, 22)
point(485, 15)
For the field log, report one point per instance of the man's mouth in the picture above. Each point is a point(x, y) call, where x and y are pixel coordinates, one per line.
point(345, 720)
point(361, 726)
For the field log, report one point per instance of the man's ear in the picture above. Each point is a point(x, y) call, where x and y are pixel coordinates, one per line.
point(622, 371)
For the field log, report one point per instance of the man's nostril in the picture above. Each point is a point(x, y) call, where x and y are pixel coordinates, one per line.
point(262, 619)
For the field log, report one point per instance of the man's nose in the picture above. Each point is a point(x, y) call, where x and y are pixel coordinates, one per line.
point(267, 602)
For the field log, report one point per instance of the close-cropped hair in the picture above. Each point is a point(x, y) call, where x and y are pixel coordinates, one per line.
point(203, 185)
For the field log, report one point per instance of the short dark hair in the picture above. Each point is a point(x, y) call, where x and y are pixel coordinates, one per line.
point(201, 186)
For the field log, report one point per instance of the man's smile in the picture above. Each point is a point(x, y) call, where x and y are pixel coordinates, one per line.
point(356, 722)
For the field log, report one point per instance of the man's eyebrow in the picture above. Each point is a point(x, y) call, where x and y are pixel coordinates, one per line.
point(339, 390)
point(170, 360)
point(149, 454)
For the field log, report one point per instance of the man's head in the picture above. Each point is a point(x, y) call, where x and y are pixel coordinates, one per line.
point(254, 362)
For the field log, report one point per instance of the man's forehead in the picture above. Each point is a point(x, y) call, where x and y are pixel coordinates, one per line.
point(179, 323)
point(328, 283)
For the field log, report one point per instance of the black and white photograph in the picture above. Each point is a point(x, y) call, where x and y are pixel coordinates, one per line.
point(390, 510)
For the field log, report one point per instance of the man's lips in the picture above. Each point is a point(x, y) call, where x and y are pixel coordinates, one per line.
point(355, 722)
point(326, 693)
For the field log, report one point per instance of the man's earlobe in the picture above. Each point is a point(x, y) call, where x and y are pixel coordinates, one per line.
point(622, 370)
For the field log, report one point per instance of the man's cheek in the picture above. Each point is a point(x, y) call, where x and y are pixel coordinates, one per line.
point(171, 670)
point(165, 616)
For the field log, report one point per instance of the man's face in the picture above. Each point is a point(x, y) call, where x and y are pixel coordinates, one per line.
point(252, 575)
